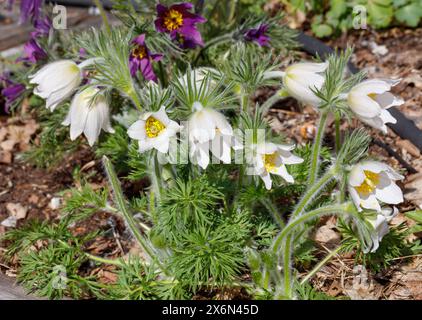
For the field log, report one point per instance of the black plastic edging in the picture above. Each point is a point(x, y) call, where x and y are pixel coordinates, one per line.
point(404, 127)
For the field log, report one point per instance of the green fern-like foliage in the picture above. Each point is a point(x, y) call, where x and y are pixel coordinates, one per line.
point(207, 257)
point(393, 245)
point(54, 142)
point(188, 205)
point(137, 281)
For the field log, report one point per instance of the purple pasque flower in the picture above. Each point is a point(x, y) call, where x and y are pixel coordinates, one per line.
point(180, 24)
point(30, 10)
point(33, 52)
point(42, 27)
point(258, 35)
point(11, 91)
point(141, 59)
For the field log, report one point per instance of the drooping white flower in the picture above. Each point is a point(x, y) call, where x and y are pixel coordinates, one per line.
point(89, 113)
point(271, 158)
point(56, 81)
point(209, 131)
point(153, 131)
point(300, 78)
point(372, 181)
point(370, 99)
point(381, 228)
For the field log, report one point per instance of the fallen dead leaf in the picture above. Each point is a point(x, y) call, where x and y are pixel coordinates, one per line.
point(6, 157)
point(413, 189)
point(17, 210)
point(409, 147)
point(33, 199)
point(327, 236)
point(8, 145)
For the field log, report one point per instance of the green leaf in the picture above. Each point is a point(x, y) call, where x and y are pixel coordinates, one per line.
point(337, 8)
point(380, 12)
point(410, 14)
point(322, 30)
point(415, 215)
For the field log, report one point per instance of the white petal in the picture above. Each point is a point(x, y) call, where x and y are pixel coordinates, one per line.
point(137, 130)
point(93, 126)
point(357, 176)
point(363, 105)
point(289, 158)
point(387, 100)
point(308, 67)
point(161, 115)
point(375, 122)
point(387, 117)
point(78, 116)
point(371, 86)
point(391, 194)
point(374, 166)
point(370, 202)
point(282, 171)
point(267, 180)
point(355, 197)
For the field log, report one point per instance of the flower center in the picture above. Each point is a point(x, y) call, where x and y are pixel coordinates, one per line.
point(369, 184)
point(140, 52)
point(173, 20)
point(153, 127)
point(270, 161)
point(373, 96)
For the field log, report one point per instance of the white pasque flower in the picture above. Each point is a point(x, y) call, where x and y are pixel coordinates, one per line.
point(153, 131)
point(300, 78)
point(271, 158)
point(370, 99)
point(372, 181)
point(380, 225)
point(56, 81)
point(209, 131)
point(89, 113)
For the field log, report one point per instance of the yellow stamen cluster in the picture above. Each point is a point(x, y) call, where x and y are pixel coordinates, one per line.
point(373, 96)
point(368, 185)
point(140, 52)
point(270, 161)
point(173, 20)
point(153, 127)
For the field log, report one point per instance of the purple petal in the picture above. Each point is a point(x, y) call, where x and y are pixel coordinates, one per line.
point(33, 52)
point(11, 93)
point(42, 27)
point(161, 9)
point(140, 40)
point(147, 71)
point(182, 7)
point(258, 35)
point(30, 10)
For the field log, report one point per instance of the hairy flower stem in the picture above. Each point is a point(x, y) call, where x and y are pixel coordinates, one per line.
point(286, 237)
point(103, 14)
point(270, 102)
point(115, 262)
point(244, 101)
point(316, 148)
point(321, 264)
point(156, 177)
point(121, 204)
point(131, 93)
point(338, 132)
